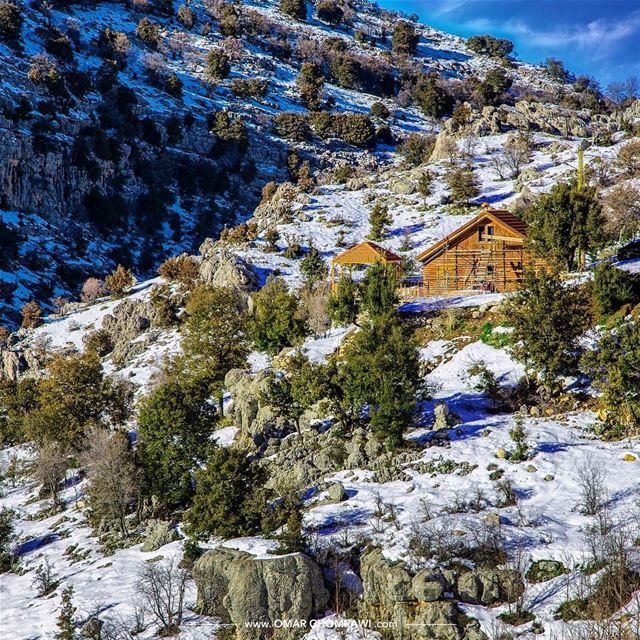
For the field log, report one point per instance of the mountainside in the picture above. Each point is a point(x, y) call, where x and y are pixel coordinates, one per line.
point(200, 439)
point(121, 143)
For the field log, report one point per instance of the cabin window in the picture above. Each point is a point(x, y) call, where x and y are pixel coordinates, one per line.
point(489, 230)
point(480, 233)
point(489, 269)
point(484, 232)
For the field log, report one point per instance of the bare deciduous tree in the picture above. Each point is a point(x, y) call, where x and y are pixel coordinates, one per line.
point(161, 586)
point(114, 481)
point(50, 469)
point(593, 488)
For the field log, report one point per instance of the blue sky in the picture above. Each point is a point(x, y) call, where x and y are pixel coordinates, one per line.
point(600, 38)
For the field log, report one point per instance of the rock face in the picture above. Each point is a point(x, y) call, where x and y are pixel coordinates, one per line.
point(220, 267)
point(158, 533)
point(427, 599)
point(239, 588)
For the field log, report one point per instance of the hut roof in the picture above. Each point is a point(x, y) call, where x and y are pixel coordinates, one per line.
point(366, 252)
point(501, 216)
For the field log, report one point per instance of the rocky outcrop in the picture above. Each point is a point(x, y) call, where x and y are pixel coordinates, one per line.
point(157, 534)
point(278, 208)
point(417, 604)
point(12, 364)
point(240, 588)
point(219, 267)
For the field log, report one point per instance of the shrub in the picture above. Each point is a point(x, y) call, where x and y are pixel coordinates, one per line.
point(329, 11)
point(92, 289)
point(293, 126)
point(295, 8)
point(404, 39)
point(490, 46)
point(10, 22)
point(464, 185)
point(58, 45)
point(218, 66)
point(182, 269)
point(379, 110)
point(416, 148)
point(244, 232)
point(186, 16)
point(355, 128)
point(31, 315)
point(313, 267)
point(98, 342)
point(322, 124)
point(148, 32)
point(613, 288)
point(310, 83)
point(229, 500)
point(629, 158)
point(117, 282)
point(255, 88)
point(556, 69)
point(490, 91)
point(114, 45)
point(432, 97)
point(275, 323)
point(343, 304)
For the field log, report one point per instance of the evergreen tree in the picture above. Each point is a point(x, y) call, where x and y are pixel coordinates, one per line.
point(295, 8)
point(490, 46)
point(425, 185)
point(344, 305)
point(119, 281)
point(218, 66)
point(66, 626)
point(566, 224)
point(464, 185)
point(379, 220)
point(378, 290)
point(275, 323)
point(215, 338)
point(432, 98)
point(329, 11)
point(292, 539)
point(73, 398)
point(313, 268)
point(174, 426)
point(612, 288)
point(405, 39)
point(310, 83)
point(547, 320)
point(381, 372)
point(230, 500)
point(614, 367)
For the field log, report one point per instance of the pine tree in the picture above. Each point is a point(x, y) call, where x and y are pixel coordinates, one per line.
point(310, 83)
point(218, 66)
point(404, 39)
point(343, 304)
point(547, 320)
point(214, 332)
point(275, 323)
point(464, 185)
point(292, 539)
point(566, 224)
point(432, 98)
point(66, 626)
point(229, 500)
point(330, 11)
point(379, 220)
point(175, 423)
point(519, 437)
point(425, 185)
point(313, 268)
point(119, 281)
point(378, 290)
point(612, 288)
point(295, 8)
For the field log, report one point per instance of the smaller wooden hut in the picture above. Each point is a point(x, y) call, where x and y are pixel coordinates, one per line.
point(366, 252)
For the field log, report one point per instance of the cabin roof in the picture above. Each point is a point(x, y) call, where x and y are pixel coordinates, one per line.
point(501, 216)
point(366, 252)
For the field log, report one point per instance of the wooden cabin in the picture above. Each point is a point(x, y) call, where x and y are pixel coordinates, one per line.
point(485, 254)
point(365, 253)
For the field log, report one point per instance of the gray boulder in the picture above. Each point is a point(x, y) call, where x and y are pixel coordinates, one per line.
point(428, 585)
point(157, 534)
point(489, 587)
point(240, 588)
point(220, 267)
point(337, 492)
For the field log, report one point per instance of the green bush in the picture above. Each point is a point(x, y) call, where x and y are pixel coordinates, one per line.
point(10, 22)
point(612, 288)
point(463, 184)
point(432, 97)
point(218, 66)
point(255, 88)
point(148, 32)
point(491, 46)
point(404, 39)
point(329, 11)
point(379, 110)
point(276, 321)
point(416, 148)
point(291, 125)
point(229, 500)
point(379, 220)
point(355, 128)
point(295, 8)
